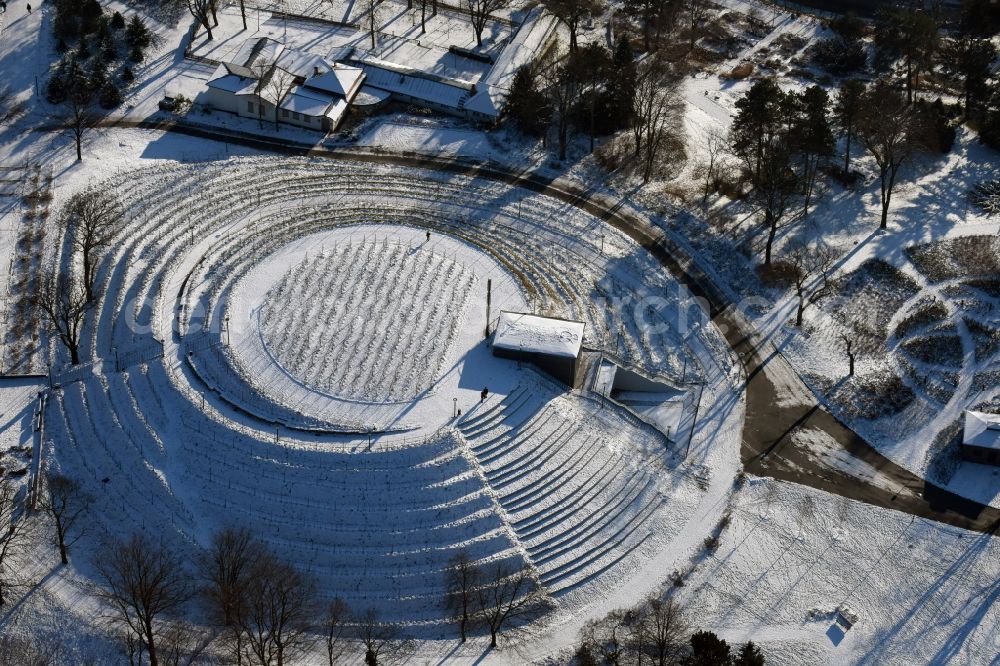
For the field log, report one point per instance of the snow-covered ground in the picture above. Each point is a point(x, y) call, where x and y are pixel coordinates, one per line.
point(791, 557)
point(929, 205)
point(580, 489)
point(534, 473)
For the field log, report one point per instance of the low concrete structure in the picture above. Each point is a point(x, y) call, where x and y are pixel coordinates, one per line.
point(981, 438)
point(550, 343)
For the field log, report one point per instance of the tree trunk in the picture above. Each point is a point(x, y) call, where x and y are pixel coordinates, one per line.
point(847, 153)
point(772, 230)
point(88, 278)
point(151, 645)
point(215, 17)
point(886, 197)
point(493, 638)
point(423, 17)
point(909, 80)
point(74, 354)
point(79, 148)
point(243, 13)
point(208, 29)
point(61, 535)
point(800, 310)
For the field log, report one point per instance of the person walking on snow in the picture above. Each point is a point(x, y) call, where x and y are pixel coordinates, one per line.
point(484, 394)
point(29, 7)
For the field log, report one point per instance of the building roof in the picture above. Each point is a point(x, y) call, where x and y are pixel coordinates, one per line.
point(520, 331)
point(302, 64)
point(406, 82)
point(233, 78)
point(341, 80)
point(530, 39)
point(982, 430)
point(308, 102)
point(257, 50)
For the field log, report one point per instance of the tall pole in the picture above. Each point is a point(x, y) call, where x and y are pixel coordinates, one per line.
point(489, 294)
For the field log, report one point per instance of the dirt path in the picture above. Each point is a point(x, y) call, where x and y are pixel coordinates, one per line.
point(778, 402)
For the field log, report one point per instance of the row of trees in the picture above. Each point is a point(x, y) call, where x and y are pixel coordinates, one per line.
point(267, 611)
point(597, 92)
point(910, 37)
point(657, 632)
point(782, 139)
point(91, 220)
point(263, 610)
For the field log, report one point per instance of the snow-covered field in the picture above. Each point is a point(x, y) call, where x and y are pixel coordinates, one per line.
point(923, 593)
point(171, 422)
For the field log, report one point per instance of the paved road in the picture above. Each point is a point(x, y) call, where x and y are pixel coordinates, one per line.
point(768, 446)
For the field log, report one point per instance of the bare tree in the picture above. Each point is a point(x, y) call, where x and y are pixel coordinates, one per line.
point(563, 85)
point(202, 10)
point(382, 641)
point(811, 274)
point(66, 502)
point(278, 612)
point(15, 529)
point(335, 630)
point(63, 301)
point(716, 142)
point(78, 108)
point(131, 645)
point(886, 126)
point(849, 350)
point(666, 630)
point(508, 594)
point(30, 651)
point(571, 12)
point(462, 577)
point(142, 583)
point(696, 12)
point(226, 567)
point(480, 12)
point(654, 109)
point(606, 638)
point(273, 83)
point(373, 17)
point(93, 218)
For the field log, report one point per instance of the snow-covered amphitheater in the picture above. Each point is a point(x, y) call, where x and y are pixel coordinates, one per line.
point(285, 344)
